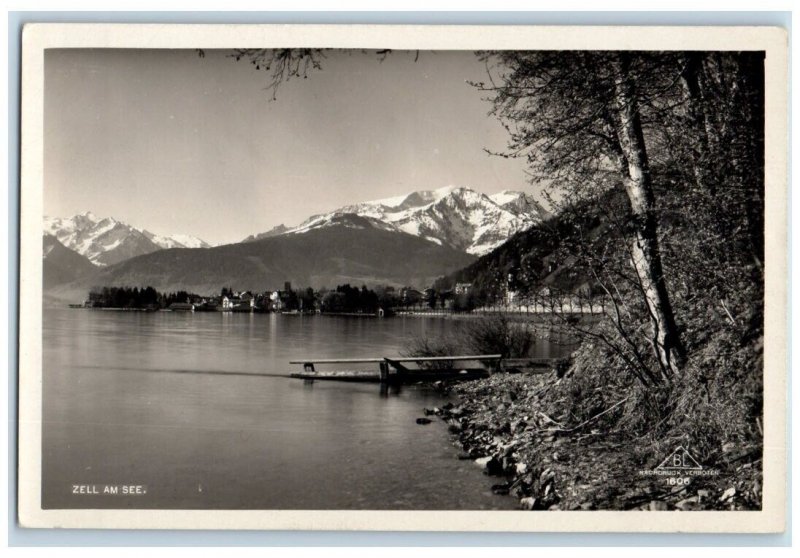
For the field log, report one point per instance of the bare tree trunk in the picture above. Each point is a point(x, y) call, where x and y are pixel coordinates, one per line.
point(692, 79)
point(645, 253)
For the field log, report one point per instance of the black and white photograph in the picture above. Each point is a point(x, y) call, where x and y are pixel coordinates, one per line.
point(311, 278)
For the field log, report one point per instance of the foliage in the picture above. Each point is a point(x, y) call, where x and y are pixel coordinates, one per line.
point(696, 223)
point(700, 120)
point(433, 347)
point(133, 297)
point(479, 336)
point(351, 299)
point(499, 335)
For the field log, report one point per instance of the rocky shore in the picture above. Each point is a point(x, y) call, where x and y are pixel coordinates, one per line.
point(547, 464)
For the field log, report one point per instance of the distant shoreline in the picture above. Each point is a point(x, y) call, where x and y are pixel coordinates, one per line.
point(402, 314)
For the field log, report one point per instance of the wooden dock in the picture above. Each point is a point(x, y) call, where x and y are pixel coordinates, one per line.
point(428, 369)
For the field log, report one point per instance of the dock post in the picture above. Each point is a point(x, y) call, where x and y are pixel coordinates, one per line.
point(384, 367)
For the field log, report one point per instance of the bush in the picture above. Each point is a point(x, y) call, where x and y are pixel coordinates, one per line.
point(432, 347)
point(481, 336)
point(499, 335)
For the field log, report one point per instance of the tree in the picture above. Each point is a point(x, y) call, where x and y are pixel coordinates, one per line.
point(283, 64)
point(589, 122)
point(634, 167)
point(577, 118)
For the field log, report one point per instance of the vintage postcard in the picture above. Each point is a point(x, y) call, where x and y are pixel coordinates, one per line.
point(403, 278)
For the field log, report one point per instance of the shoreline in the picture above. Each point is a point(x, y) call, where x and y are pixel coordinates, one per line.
point(499, 424)
point(516, 316)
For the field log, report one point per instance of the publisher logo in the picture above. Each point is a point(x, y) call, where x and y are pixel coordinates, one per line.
point(680, 460)
point(679, 468)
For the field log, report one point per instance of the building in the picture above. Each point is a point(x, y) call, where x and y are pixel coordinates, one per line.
point(247, 299)
point(276, 303)
point(409, 295)
point(182, 307)
point(462, 288)
point(511, 297)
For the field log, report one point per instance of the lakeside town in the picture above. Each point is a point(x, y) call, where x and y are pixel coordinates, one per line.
point(381, 301)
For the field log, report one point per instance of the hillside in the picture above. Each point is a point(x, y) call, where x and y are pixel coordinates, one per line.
point(62, 265)
point(538, 257)
point(352, 250)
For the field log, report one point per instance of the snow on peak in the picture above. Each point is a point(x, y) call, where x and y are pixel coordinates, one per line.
point(190, 241)
point(106, 241)
point(447, 190)
point(453, 215)
point(506, 196)
point(176, 240)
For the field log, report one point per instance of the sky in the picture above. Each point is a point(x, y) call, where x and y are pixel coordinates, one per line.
point(173, 142)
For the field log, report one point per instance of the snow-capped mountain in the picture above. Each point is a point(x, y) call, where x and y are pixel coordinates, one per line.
point(457, 217)
point(176, 240)
point(274, 231)
point(106, 241)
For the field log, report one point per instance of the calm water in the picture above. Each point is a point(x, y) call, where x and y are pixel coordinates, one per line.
point(170, 401)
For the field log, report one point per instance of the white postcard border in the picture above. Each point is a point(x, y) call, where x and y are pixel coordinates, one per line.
point(38, 37)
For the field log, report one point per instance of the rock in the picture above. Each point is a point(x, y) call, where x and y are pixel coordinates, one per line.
point(657, 505)
point(494, 468)
point(501, 489)
point(527, 479)
point(703, 494)
point(423, 421)
point(688, 504)
point(508, 448)
point(434, 411)
point(527, 503)
point(454, 426)
point(728, 447)
point(728, 494)
point(521, 468)
point(504, 428)
point(482, 461)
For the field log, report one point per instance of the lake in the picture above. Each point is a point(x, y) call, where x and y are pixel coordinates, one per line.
point(182, 405)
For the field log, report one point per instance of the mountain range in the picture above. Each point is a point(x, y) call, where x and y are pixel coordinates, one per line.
point(459, 218)
point(408, 240)
point(352, 249)
point(106, 241)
